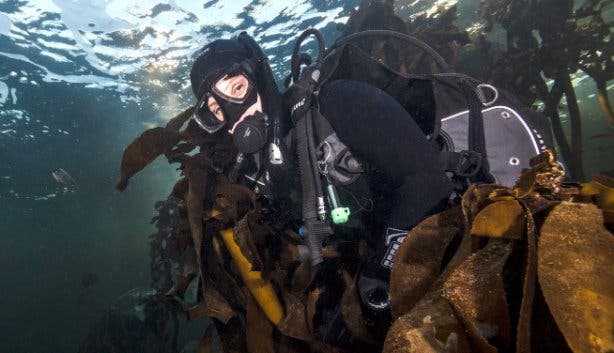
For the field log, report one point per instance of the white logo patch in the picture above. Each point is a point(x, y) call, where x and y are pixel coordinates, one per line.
point(394, 238)
point(298, 105)
point(247, 132)
point(392, 233)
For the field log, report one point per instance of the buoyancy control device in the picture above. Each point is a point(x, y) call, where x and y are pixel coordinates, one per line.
point(485, 135)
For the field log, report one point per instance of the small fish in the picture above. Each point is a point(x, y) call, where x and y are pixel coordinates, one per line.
point(62, 177)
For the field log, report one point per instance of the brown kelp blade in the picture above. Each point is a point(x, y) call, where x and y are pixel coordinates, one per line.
point(604, 104)
point(430, 327)
point(259, 330)
point(178, 120)
point(417, 264)
point(475, 290)
point(213, 305)
point(353, 318)
point(143, 151)
point(206, 344)
point(575, 274)
point(147, 147)
point(502, 219)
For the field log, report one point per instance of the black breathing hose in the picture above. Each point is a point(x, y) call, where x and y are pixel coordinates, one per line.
point(319, 200)
point(315, 225)
point(296, 66)
point(308, 185)
point(383, 32)
point(296, 62)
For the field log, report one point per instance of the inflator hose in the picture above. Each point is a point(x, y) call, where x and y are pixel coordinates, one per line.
point(295, 59)
point(444, 66)
point(315, 225)
point(310, 212)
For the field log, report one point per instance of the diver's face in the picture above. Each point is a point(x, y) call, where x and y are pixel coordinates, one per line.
point(235, 89)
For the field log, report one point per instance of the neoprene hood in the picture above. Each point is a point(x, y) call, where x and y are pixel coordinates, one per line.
point(214, 59)
point(241, 53)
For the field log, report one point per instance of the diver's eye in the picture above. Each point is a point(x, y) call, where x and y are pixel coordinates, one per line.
point(215, 108)
point(217, 112)
point(238, 88)
point(232, 87)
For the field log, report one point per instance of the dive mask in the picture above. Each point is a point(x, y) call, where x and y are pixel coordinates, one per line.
point(233, 92)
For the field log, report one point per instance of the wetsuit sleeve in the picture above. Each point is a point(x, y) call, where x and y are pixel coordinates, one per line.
point(379, 130)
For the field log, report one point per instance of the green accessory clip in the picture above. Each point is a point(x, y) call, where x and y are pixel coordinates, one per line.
point(340, 215)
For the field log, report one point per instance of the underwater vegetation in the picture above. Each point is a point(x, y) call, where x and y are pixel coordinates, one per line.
point(546, 42)
point(139, 321)
point(510, 269)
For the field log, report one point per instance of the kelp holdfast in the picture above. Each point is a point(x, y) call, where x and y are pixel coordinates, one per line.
point(485, 134)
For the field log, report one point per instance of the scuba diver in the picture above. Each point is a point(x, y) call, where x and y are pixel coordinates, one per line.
point(237, 95)
point(327, 132)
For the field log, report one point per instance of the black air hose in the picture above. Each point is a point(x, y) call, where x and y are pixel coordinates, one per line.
point(315, 225)
point(310, 212)
point(445, 67)
point(311, 147)
point(295, 63)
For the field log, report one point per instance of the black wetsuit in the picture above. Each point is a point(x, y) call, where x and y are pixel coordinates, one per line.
point(404, 166)
point(403, 169)
point(379, 131)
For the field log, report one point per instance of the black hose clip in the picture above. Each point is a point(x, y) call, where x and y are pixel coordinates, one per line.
point(469, 164)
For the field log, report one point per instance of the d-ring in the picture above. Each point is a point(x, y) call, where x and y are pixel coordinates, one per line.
point(482, 95)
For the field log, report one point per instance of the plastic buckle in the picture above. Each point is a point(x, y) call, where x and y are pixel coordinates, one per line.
point(469, 164)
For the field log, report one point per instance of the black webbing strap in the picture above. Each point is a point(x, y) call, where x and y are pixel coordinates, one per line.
point(464, 164)
point(476, 142)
